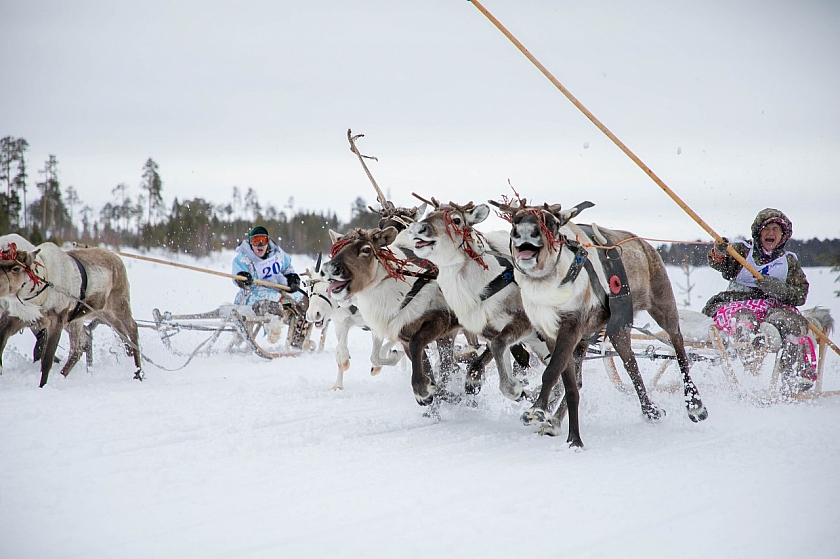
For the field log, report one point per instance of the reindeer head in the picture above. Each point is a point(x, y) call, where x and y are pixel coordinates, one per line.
point(320, 306)
point(16, 269)
point(446, 235)
point(355, 260)
point(535, 231)
point(399, 218)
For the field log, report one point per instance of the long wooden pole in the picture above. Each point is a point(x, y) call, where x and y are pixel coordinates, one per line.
point(193, 268)
point(379, 195)
point(740, 259)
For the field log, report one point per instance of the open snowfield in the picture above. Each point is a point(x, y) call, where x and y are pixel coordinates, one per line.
point(238, 457)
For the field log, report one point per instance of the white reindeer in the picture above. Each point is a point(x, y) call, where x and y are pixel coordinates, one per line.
point(396, 305)
point(476, 278)
point(344, 315)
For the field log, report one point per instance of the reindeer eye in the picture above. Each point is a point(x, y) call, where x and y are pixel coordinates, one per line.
point(365, 250)
point(15, 269)
point(456, 220)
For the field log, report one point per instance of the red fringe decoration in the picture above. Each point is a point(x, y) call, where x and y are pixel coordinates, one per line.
point(464, 235)
point(12, 254)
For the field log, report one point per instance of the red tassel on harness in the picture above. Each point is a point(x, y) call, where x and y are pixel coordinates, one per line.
point(464, 235)
point(11, 253)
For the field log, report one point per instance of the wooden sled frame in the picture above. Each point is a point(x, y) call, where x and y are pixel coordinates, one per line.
point(228, 318)
point(718, 348)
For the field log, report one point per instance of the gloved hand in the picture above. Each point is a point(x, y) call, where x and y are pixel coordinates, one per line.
point(718, 252)
point(294, 281)
point(774, 287)
point(247, 282)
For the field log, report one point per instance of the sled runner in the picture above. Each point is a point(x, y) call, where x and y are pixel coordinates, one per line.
point(244, 329)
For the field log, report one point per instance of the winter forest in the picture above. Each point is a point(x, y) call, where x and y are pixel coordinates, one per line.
point(138, 217)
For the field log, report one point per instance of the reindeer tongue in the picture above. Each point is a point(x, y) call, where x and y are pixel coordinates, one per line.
point(522, 254)
point(336, 286)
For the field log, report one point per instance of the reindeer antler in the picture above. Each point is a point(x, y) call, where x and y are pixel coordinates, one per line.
point(465, 208)
point(434, 203)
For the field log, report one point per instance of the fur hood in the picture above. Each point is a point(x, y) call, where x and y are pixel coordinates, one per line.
point(764, 218)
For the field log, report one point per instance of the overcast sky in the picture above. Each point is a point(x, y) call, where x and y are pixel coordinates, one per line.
point(734, 104)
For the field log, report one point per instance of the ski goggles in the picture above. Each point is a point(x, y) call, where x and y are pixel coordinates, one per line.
point(259, 240)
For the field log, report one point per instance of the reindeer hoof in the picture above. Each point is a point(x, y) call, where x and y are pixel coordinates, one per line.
point(698, 414)
point(549, 430)
point(653, 413)
point(472, 388)
point(375, 371)
point(427, 399)
point(533, 416)
point(575, 443)
point(138, 375)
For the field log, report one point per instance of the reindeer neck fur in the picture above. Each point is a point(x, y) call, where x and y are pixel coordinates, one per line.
point(545, 299)
point(379, 302)
point(463, 280)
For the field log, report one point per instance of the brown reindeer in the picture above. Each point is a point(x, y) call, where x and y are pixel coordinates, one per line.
point(57, 290)
point(395, 305)
point(569, 307)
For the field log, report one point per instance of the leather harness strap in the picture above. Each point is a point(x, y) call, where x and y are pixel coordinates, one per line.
point(499, 282)
point(415, 289)
point(82, 290)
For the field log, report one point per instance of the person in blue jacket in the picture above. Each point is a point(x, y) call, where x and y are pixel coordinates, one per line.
point(260, 258)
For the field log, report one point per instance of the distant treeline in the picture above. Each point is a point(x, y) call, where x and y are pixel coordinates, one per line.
point(138, 217)
point(810, 253)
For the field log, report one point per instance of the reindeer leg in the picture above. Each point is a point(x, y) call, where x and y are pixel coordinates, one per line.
point(124, 324)
point(475, 372)
point(561, 365)
point(8, 326)
point(53, 334)
point(553, 428)
point(510, 386)
point(76, 331)
point(38, 350)
point(342, 353)
point(446, 354)
point(422, 380)
point(621, 341)
point(670, 322)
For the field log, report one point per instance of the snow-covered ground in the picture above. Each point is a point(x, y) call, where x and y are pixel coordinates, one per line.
point(238, 457)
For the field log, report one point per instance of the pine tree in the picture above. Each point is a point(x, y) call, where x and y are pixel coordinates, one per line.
point(153, 186)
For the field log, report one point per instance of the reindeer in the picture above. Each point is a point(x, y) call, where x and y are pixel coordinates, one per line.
point(56, 289)
point(396, 303)
point(476, 278)
point(322, 309)
point(569, 307)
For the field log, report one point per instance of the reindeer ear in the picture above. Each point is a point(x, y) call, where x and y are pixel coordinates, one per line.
point(477, 214)
point(385, 237)
point(27, 257)
point(418, 213)
point(569, 214)
point(334, 237)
